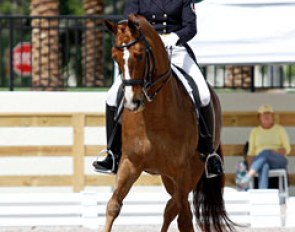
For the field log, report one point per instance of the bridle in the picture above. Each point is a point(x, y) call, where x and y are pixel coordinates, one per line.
point(149, 69)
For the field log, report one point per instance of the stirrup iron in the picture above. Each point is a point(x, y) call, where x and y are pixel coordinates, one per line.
point(108, 152)
point(211, 175)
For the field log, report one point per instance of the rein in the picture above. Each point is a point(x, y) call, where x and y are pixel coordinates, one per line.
point(149, 68)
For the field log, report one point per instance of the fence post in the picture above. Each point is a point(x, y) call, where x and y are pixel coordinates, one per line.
point(78, 179)
point(11, 39)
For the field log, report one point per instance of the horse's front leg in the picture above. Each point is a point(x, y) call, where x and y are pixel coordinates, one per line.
point(126, 176)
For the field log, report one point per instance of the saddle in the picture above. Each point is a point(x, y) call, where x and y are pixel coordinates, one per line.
point(203, 128)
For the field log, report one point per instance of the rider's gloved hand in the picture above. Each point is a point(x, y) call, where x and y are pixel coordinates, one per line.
point(170, 40)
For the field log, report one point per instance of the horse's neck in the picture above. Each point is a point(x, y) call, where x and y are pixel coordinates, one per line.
point(168, 96)
point(169, 93)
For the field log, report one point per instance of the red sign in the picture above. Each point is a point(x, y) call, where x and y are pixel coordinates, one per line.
point(22, 59)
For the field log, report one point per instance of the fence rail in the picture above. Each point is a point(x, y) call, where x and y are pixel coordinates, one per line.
point(255, 208)
point(78, 150)
point(61, 52)
point(74, 52)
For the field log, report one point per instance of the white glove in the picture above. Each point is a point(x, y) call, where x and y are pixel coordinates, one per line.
point(170, 40)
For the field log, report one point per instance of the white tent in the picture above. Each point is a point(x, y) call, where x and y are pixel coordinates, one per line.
point(245, 31)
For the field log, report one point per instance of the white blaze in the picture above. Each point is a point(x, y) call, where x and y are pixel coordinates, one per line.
point(128, 89)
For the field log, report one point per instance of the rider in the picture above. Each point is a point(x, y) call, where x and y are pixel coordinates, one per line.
point(175, 21)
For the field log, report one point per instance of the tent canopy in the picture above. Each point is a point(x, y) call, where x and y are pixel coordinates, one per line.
point(245, 31)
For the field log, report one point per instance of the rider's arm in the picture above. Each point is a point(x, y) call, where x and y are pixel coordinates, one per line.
point(131, 7)
point(189, 24)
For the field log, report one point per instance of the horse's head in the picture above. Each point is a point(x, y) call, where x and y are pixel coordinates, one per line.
point(132, 52)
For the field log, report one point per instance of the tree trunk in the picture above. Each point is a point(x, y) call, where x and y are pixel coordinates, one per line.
point(45, 46)
point(92, 52)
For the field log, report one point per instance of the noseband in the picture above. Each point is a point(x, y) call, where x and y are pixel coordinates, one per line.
point(149, 69)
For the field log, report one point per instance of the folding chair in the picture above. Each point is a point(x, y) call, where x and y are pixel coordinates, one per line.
point(282, 176)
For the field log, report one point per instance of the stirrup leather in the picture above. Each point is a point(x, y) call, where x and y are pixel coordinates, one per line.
point(211, 175)
point(107, 152)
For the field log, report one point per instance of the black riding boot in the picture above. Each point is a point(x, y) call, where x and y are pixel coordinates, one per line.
point(110, 163)
point(213, 162)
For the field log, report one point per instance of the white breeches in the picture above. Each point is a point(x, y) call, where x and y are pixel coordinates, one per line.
point(180, 58)
point(113, 91)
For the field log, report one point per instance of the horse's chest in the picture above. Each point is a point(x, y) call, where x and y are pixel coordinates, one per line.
point(152, 134)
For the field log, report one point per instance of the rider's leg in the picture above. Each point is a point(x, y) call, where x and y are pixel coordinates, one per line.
point(115, 146)
point(113, 131)
point(213, 161)
point(181, 58)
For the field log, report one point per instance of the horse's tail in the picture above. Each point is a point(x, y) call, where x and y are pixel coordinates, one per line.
point(209, 205)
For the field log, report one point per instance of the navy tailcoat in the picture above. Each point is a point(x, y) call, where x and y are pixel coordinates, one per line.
point(166, 16)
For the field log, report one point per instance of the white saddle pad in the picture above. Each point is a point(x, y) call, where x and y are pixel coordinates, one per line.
point(184, 82)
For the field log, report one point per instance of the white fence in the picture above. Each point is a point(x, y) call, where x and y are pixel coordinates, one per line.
point(256, 208)
point(290, 212)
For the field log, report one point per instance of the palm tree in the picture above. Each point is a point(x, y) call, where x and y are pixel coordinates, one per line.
point(45, 45)
point(92, 44)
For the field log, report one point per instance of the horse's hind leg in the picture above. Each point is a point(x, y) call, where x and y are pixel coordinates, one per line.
point(185, 216)
point(126, 176)
point(171, 209)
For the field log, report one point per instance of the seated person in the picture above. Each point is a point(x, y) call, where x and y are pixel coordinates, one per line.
point(268, 146)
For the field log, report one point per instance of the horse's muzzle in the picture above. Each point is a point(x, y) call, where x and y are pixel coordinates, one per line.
point(136, 105)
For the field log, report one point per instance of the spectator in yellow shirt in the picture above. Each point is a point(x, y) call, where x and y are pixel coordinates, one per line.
point(268, 145)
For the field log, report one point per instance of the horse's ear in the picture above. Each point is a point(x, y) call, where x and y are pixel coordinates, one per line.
point(132, 24)
point(112, 27)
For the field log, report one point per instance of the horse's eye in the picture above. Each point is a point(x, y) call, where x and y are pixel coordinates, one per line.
point(139, 57)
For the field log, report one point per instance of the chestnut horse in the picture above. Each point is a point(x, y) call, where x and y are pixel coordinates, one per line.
point(160, 132)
